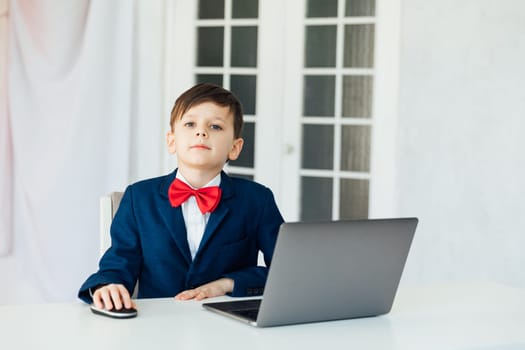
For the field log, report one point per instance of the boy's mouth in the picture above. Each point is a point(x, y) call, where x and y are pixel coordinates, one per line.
point(200, 146)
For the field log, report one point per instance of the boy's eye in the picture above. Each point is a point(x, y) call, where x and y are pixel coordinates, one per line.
point(216, 127)
point(189, 124)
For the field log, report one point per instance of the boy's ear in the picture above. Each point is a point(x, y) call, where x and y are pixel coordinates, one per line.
point(236, 149)
point(170, 141)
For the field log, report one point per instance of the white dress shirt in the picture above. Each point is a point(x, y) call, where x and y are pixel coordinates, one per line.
point(194, 220)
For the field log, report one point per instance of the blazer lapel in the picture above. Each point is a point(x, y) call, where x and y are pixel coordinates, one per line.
point(173, 219)
point(218, 215)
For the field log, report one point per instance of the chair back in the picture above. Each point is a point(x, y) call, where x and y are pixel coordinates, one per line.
point(108, 207)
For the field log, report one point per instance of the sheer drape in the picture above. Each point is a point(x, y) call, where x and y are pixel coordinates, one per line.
point(65, 140)
point(6, 175)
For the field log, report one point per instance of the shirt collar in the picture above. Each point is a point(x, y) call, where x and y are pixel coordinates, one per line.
point(216, 181)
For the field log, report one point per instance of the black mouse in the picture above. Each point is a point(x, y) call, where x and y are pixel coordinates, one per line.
point(122, 313)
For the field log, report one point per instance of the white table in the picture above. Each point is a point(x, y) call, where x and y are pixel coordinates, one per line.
point(474, 317)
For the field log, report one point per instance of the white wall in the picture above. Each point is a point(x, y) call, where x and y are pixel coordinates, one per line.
point(461, 146)
point(147, 146)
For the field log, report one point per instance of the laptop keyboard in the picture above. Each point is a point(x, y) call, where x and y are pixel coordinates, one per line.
point(249, 314)
point(245, 308)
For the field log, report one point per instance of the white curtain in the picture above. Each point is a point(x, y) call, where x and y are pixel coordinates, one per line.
point(6, 175)
point(64, 141)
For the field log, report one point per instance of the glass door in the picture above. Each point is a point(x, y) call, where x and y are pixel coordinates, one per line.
point(318, 82)
point(336, 113)
point(226, 55)
point(331, 68)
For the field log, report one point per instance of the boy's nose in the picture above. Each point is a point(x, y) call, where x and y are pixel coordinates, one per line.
point(201, 133)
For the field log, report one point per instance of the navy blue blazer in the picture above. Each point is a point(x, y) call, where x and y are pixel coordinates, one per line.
point(149, 241)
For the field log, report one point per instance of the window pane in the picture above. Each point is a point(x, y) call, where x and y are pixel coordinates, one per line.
point(244, 47)
point(321, 8)
point(355, 148)
point(353, 199)
point(320, 46)
point(211, 9)
point(245, 8)
point(316, 198)
point(357, 96)
point(359, 45)
point(318, 147)
point(319, 95)
point(210, 46)
point(248, 149)
point(244, 87)
point(360, 8)
point(209, 78)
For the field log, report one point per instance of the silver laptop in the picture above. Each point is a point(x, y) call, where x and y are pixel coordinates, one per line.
point(329, 271)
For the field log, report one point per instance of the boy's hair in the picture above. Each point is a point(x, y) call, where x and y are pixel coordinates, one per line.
point(206, 92)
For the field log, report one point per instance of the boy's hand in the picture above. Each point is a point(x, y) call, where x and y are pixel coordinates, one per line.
point(113, 295)
point(208, 290)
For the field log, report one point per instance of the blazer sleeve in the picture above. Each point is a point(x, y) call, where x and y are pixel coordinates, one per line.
point(251, 280)
point(122, 261)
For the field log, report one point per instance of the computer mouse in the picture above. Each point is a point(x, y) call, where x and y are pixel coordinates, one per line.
point(114, 313)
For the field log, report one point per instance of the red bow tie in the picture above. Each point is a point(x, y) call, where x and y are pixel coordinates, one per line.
point(207, 197)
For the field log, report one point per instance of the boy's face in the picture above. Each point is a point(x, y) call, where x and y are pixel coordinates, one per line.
point(203, 138)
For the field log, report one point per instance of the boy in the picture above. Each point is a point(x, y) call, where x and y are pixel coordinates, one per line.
point(183, 243)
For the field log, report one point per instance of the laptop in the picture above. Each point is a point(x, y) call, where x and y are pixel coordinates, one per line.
point(323, 271)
